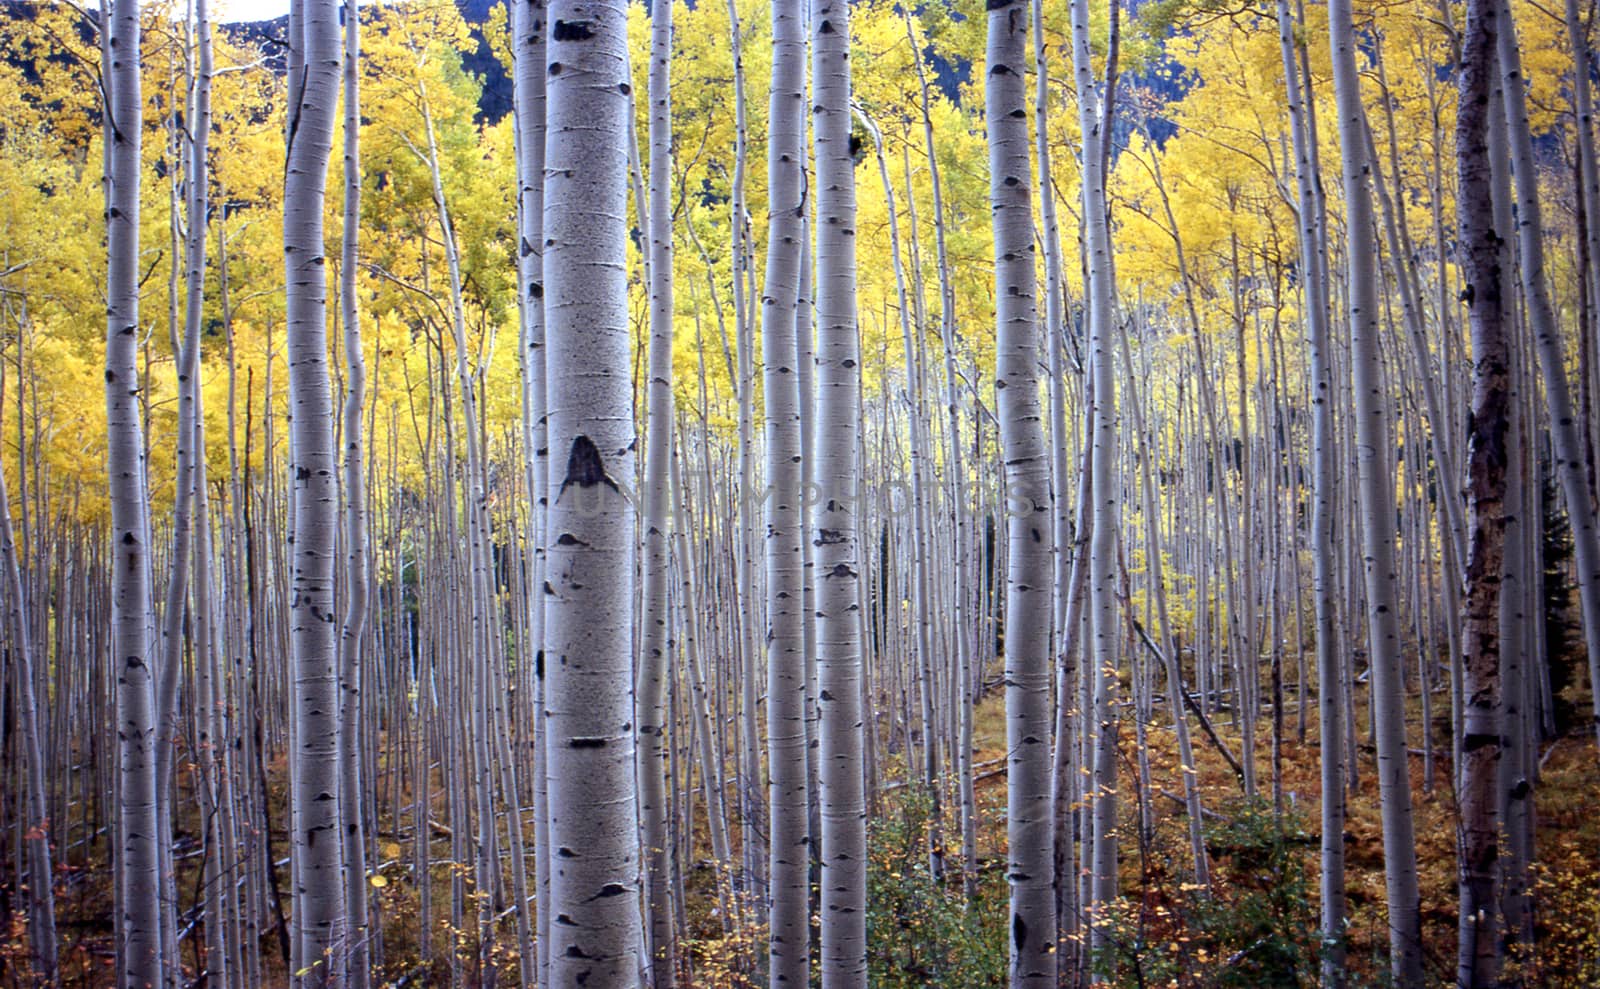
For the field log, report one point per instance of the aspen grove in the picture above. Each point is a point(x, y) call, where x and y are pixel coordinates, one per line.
point(789, 493)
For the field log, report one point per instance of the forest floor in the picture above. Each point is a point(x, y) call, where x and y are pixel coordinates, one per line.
point(1265, 875)
point(1564, 886)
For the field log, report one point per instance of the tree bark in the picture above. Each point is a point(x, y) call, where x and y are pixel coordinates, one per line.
point(1105, 629)
point(358, 959)
point(1478, 956)
point(594, 905)
point(1324, 494)
point(529, 26)
point(657, 642)
point(1375, 485)
point(1026, 505)
point(1566, 439)
point(36, 818)
point(139, 950)
point(834, 536)
point(313, 471)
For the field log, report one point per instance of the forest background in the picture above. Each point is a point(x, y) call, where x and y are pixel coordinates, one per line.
point(1213, 478)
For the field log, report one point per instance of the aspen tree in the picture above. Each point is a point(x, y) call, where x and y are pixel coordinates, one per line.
point(657, 643)
point(594, 885)
point(1103, 623)
point(960, 539)
point(1571, 462)
point(357, 958)
point(1150, 509)
point(789, 927)
point(1588, 167)
point(835, 533)
point(313, 469)
point(169, 674)
point(1311, 226)
point(529, 25)
point(805, 336)
point(198, 210)
point(207, 684)
point(41, 885)
point(1027, 499)
point(140, 963)
point(1070, 563)
point(1478, 956)
point(921, 606)
point(477, 669)
point(1375, 485)
point(749, 757)
point(1521, 634)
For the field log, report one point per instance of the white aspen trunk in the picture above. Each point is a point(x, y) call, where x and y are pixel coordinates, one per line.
point(1565, 435)
point(594, 887)
point(313, 471)
point(528, 47)
point(219, 961)
point(243, 905)
point(1247, 656)
point(1067, 781)
point(168, 674)
point(805, 379)
point(921, 606)
point(36, 818)
point(749, 742)
point(1069, 564)
point(1105, 632)
point(1588, 168)
point(1026, 505)
point(198, 210)
point(357, 954)
point(140, 962)
point(961, 546)
point(1376, 490)
point(1169, 653)
point(478, 654)
point(789, 929)
point(657, 642)
point(1308, 179)
point(836, 535)
point(709, 750)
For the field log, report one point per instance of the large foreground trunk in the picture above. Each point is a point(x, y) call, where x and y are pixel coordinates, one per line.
point(594, 920)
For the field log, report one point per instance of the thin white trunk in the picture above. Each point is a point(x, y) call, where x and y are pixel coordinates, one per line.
point(921, 604)
point(1032, 928)
point(1588, 168)
point(1308, 180)
point(657, 642)
point(1565, 435)
point(313, 468)
point(358, 965)
point(1105, 632)
point(1375, 484)
point(139, 917)
point(750, 746)
point(790, 926)
point(835, 536)
point(36, 817)
point(528, 49)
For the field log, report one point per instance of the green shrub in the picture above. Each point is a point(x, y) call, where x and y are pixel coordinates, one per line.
point(1258, 928)
point(920, 932)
